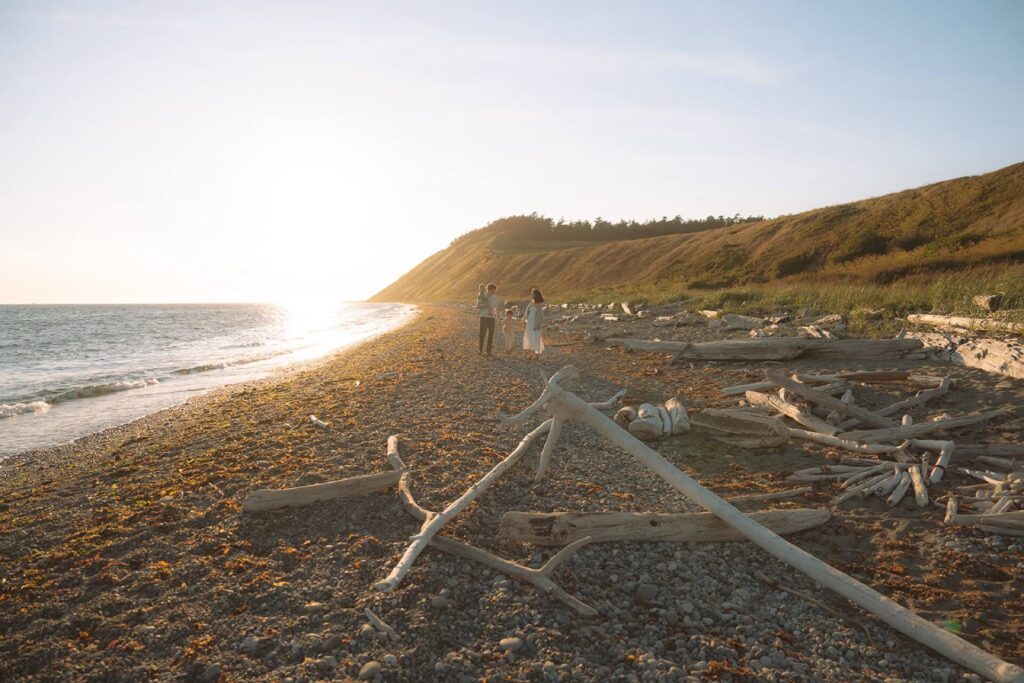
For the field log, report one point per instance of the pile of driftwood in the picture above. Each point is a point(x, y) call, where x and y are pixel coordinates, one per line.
point(824, 410)
point(997, 504)
point(578, 529)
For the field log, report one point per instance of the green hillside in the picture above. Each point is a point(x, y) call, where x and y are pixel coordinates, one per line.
point(973, 224)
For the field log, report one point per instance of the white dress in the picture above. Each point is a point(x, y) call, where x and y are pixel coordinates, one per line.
point(534, 320)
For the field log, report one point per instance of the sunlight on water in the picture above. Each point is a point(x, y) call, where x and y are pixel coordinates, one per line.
point(73, 370)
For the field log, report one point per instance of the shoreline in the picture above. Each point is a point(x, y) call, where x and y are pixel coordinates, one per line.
point(133, 558)
point(275, 374)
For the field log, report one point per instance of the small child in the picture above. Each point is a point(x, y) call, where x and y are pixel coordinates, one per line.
point(508, 328)
point(481, 299)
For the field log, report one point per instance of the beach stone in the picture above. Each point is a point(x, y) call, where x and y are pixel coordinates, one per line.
point(390, 660)
point(211, 673)
point(332, 643)
point(439, 602)
point(512, 644)
point(367, 630)
point(687, 607)
point(369, 670)
point(327, 663)
point(646, 592)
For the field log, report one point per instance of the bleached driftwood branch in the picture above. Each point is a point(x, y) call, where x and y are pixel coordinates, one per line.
point(540, 578)
point(273, 499)
point(559, 528)
point(921, 428)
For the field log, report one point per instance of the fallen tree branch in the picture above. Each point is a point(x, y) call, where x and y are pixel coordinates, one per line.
point(824, 399)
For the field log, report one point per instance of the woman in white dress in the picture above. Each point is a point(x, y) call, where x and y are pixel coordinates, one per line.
point(534, 321)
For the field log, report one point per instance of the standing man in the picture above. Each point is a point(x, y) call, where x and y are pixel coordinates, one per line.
point(488, 318)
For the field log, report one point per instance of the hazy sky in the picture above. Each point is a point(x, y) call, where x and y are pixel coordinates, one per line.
point(251, 151)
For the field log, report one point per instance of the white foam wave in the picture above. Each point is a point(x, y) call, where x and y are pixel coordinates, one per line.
point(92, 390)
point(12, 409)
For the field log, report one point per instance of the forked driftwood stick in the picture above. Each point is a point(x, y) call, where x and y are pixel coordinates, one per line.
point(559, 528)
point(272, 499)
point(894, 614)
point(434, 523)
point(540, 578)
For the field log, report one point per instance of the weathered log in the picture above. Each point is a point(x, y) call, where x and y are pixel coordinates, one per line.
point(921, 428)
point(861, 349)
point(791, 410)
point(317, 422)
point(741, 429)
point(955, 322)
point(776, 348)
point(835, 441)
point(824, 399)
point(560, 528)
point(992, 355)
point(897, 616)
point(920, 489)
point(273, 499)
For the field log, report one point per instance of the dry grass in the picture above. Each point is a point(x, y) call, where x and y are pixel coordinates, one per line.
point(931, 247)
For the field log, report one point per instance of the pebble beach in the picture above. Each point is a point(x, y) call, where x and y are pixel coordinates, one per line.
point(125, 555)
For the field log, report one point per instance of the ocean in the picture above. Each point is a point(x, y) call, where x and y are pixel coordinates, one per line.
point(68, 371)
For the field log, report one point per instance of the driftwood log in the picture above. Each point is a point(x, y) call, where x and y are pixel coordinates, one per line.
point(921, 428)
point(955, 322)
point(739, 428)
point(273, 499)
point(992, 355)
point(561, 528)
point(776, 348)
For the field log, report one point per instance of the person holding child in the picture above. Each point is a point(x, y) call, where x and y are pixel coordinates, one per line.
point(534, 321)
point(487, 305)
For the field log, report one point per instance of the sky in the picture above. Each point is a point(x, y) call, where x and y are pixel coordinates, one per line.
point(296, 151)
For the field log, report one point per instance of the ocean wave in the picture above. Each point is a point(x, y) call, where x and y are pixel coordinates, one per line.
point(12, 409)
point(207, 367)
point(200, 368)
point(93, 390)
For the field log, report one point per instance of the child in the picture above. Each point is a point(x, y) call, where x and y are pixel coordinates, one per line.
point(481, 299)
point(508, 326)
